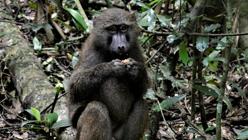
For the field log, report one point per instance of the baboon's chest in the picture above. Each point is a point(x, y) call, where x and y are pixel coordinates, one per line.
point(118, 98)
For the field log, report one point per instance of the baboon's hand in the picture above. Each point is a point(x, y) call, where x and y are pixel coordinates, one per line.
point(118, 67)
point(133, 67)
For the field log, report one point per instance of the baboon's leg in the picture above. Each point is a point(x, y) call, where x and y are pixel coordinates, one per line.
point(94, 123)
point(136, 124)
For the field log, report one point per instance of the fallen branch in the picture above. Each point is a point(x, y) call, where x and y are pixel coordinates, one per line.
point(195, 34)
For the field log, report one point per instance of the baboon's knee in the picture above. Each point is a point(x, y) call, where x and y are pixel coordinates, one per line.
point(94, 123)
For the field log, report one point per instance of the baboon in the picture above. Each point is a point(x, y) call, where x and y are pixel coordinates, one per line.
point(107, 85)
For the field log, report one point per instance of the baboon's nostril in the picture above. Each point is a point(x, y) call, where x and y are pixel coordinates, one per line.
point(121, 48)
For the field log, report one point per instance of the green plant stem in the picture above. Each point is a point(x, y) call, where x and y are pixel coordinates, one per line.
point(193, 108)
point(54, 102)
point(81, 10)
point(225, 74)
point(200, 96)
point(197, 79)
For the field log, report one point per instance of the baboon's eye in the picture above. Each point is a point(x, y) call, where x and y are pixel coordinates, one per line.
point(112, 29)
point(123, 28)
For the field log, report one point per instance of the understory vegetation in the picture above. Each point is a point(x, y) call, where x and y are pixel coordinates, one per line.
point(196, 55)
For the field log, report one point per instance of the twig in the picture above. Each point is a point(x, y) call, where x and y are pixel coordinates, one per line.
point(172, 134)
point(161, 110)
point(71, 39)
point(6, 109)
point(54, 102)
point(213, 35)
point(61, 33)
point(156, 32)
point(162, 45)
point(148, 38)
point(12, 22)
point(60, 67)
point(50, 105)
point(195, 34)
point(187, 121)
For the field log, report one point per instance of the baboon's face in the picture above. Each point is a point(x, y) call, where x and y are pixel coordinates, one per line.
point(118, 38)
point(115, 31)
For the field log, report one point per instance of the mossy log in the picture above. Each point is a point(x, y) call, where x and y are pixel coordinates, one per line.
point(32, 84)
point(30, 81)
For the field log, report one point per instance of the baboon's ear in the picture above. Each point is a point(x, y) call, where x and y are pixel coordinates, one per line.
point(94, 21)
point(132, 16)
point(96, 18)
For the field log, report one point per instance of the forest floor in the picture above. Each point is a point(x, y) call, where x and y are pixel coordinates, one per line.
point(57, 60)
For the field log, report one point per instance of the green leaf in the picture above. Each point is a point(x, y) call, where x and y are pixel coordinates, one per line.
point(142, 21)
point(211, 128)
point(171, 38)
point(59, 87)
point(34, 112)
point(141, 4)
point(62, 123)
point(183, 53)
point(37, 44)
point(222, 43)
point(240, 90)
point(168, 103)
point(179, 4)
point(227, 102)
point(166, 74)
point(225, 98)
point(147, 19)
point(2, 34)
point(165, 21)
point(51, 118)
point(202, 43)
point(213, 66)
point(212, 28)
point(37, 27)
point(192, 130)
point(243, 134)
point(48, 61)
point(150, 94)
point(244, 54)
point(144, 39)
point(75, 59)
point(206, 90)
point(215, 88)
point(28, 122)
point(165, 71)
point(182, 23)
point(78, 18)
point(32, 4)
point(214, 54)
point(212, 60)
point(154, 2)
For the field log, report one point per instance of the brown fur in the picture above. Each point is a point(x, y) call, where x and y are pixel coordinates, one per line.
point(105, 100)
